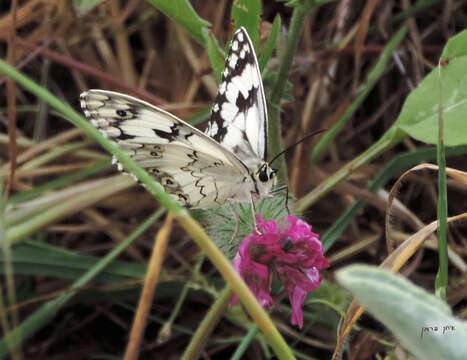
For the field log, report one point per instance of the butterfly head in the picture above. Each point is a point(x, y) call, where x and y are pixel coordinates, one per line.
point(265, 177)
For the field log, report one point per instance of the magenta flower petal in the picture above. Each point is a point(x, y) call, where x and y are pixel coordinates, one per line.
point(292, 251)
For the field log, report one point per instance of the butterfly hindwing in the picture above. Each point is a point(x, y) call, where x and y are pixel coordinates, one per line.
point(239, 117)
point(192, 167)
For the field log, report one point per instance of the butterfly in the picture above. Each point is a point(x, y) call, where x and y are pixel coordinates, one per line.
point(225, 164)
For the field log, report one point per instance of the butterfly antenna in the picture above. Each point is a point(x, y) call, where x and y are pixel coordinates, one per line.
point(295, 144)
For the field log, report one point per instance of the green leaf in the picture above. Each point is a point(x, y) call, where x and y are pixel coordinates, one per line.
point(246, 13)
point(270, 43)
point(182, 13)
point(456, 46)
point(419, 115)
point(216, 57)
point(422, 322)
point(221, 223)
point(308, 4)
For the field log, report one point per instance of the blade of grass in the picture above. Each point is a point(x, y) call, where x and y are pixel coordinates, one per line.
point(11, 103)
point(399, 163)
point(74, 204)
point(147, 293)
point(391, 138)
point(441, 281)
point(54, 153)
point(203, 333)
point(182, 13)
point(249, 337)
point(60, 182)
point(47, 312)
point(41, 259)
point(299, 14)
point(9, 285)
point(375, 74)
point(270, 43)
point(247, 13)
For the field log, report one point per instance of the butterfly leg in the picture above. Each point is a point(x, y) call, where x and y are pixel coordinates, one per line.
point(287, 200)
point(237, 221)
point(253, 209)
point(286, 188)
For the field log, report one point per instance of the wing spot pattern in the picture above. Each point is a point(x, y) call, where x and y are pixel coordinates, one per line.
point(121, 113)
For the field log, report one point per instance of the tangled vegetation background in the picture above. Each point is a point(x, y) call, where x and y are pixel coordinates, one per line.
point(77, 237)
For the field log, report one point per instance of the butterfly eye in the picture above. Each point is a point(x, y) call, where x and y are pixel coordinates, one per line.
point(122, 113)
point(263, 176)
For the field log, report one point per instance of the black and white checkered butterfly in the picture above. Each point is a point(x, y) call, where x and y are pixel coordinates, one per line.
point(226, 164)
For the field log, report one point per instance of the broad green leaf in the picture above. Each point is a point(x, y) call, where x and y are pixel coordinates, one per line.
point(182, 13)
point(246, 13)
point(419, 115)
point(421, 322)
point(220, 223)
point(456, 46)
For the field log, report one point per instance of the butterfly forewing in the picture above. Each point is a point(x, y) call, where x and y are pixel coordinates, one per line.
point(191, 166)
point(238, 117)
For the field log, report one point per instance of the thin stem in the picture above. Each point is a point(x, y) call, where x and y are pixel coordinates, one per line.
point(275, 133)
point(442, 275)
point(202, 334)
point(374, 75)
point(392, 137)
point(149, 288)
point(245, 343)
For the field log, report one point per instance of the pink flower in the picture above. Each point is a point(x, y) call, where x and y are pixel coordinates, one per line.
point(293, 252)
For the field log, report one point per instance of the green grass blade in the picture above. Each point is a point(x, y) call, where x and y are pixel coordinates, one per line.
point(441, 281)
point(63, 209)
point(270, 43)
point(47, 312)
point(182, 13)
point(40, 259)
point(60, 182)
point(216, 57)
point(399, 163)
point(391, 138)
point(373, 77)
point(247, 13)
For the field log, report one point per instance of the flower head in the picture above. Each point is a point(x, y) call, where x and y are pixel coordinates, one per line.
point(292, 251)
